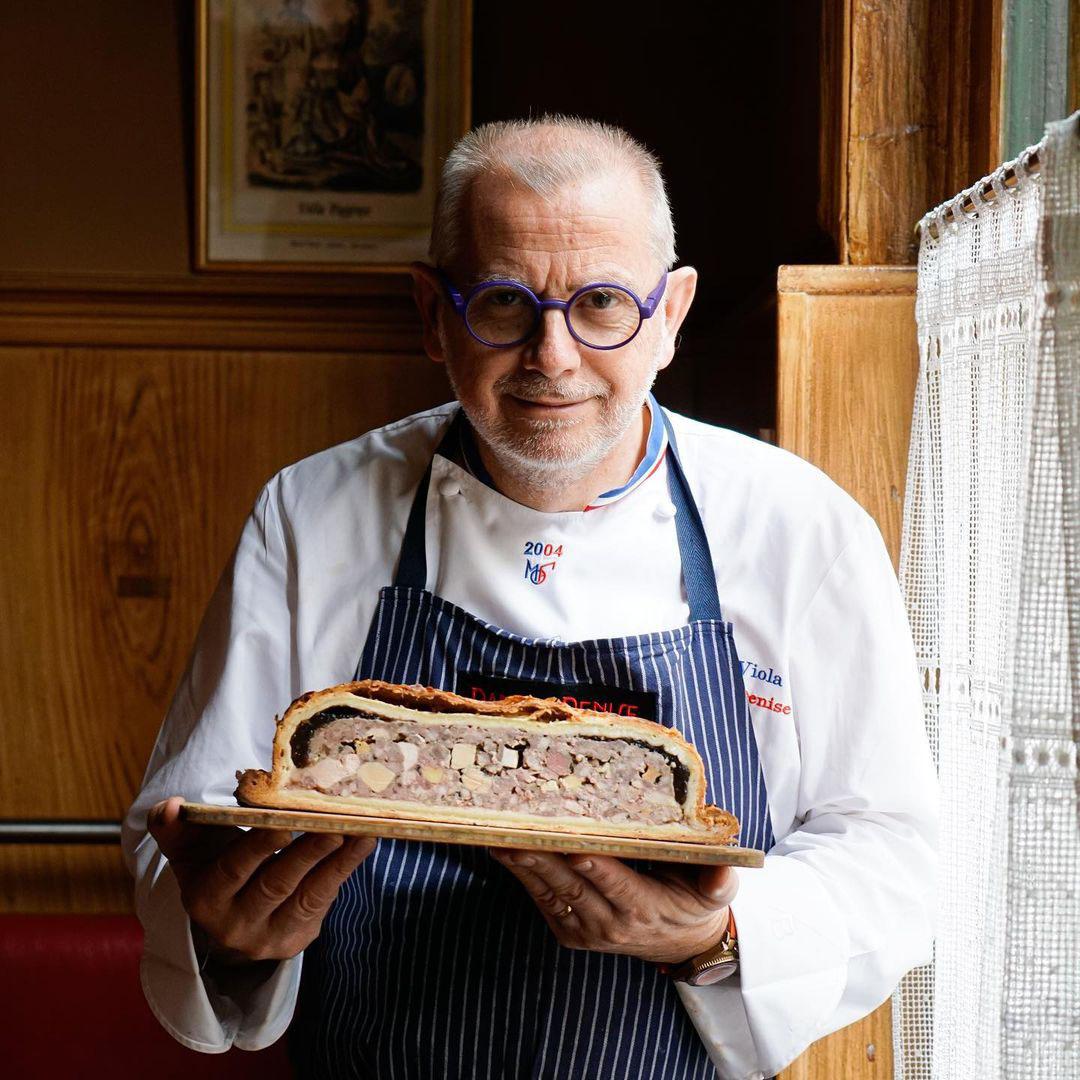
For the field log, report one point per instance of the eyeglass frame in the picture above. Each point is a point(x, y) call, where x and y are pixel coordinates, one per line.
point(460, 302)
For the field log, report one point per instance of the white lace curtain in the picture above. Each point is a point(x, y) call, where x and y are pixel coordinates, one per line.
point(990, 566)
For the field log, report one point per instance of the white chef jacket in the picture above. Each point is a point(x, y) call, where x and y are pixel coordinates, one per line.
point(844, 904)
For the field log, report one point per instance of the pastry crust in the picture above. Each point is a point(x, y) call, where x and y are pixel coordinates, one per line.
point(705, 823)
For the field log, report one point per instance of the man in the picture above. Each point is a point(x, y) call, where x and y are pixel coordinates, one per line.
point(569, 533)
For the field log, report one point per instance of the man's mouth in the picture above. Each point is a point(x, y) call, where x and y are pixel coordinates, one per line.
point(560, 403)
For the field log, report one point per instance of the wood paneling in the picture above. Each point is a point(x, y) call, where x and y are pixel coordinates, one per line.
point(835, 93)
point(64, 878)
point(126, 470)
point(847, 366)
point(277, 312)
point(848, 360)
point(910, 115)
point(1074, 56)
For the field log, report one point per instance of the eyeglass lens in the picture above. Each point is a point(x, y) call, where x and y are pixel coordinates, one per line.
point(506, 315)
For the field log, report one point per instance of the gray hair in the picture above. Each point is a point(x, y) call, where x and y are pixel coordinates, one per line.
point(511, 147)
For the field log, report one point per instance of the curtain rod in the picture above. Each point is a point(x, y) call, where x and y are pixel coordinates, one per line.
point(1004, 178)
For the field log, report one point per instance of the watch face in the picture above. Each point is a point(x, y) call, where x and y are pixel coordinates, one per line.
point(713, 974)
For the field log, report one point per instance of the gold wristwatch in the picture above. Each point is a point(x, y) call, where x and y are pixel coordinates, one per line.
point(711, 966)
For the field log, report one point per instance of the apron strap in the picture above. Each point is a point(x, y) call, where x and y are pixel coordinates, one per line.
point(699, 576)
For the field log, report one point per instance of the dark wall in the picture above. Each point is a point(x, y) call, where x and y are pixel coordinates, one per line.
point(97, 109)
point(727, 95)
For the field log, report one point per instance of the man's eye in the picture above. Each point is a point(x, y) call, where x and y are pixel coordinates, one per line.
point(506, 298)
point(599, 299)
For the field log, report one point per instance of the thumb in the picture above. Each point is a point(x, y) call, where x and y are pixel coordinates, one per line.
point(163, 818)
point(164, 824)
point(718, 884)
point(181, 841)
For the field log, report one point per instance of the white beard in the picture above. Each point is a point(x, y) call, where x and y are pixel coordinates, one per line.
point(538, 453)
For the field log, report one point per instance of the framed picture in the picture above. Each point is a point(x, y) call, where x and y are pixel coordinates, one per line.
point(322, 125)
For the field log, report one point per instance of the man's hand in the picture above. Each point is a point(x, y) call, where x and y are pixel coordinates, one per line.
point(251, 903)
point(667, 916)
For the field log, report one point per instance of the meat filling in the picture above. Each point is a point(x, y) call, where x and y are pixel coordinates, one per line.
point(345, 752)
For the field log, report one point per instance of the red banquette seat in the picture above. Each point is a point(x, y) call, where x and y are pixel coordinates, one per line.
point(71, 1005)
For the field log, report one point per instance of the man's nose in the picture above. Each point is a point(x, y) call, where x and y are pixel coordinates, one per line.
point(553, 350)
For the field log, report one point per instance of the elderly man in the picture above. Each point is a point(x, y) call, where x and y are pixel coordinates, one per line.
point(553, 528)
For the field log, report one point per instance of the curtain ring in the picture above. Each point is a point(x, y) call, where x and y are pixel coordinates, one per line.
point(959, 202)
point(1023, 164)
point(940, 220)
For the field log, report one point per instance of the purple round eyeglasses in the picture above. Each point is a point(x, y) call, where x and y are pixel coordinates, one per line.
point(505, 313)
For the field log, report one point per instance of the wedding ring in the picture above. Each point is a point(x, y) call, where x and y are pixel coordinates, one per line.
point(568, 910)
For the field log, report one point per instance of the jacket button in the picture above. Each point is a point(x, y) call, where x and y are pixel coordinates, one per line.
point(666, 511)
point(449, 487)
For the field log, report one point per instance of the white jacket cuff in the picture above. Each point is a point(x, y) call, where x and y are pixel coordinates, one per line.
point(793, 967)
point(188, 1005)
point(718, 1015)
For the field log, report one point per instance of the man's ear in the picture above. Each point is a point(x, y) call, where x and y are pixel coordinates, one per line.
point(676, 301)
point(428, 294)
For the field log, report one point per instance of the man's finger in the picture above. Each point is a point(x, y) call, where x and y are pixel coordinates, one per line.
point(553, 884)
point(277, 879)
point(318, 889)
point(232, 870)
point(618, 883)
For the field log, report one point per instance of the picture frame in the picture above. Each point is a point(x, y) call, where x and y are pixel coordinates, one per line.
point(321, 129)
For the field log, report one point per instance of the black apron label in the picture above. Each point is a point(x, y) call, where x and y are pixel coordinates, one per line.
point(609, 699)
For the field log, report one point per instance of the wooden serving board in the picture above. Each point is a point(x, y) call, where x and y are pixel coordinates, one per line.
point(440, 832)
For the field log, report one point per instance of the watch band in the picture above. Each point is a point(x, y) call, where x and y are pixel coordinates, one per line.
point(711, 966)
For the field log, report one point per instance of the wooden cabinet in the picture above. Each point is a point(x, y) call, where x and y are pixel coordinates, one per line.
point(848, 361)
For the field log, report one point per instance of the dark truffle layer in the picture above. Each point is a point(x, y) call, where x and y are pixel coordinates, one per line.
point(301, 738)
point(301, 741)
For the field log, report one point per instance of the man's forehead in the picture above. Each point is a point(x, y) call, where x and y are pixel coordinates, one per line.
point(599, 226)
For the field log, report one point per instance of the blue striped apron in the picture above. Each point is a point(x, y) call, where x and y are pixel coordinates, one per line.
point(433, 962)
